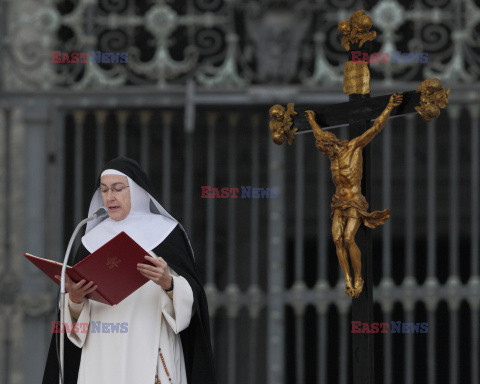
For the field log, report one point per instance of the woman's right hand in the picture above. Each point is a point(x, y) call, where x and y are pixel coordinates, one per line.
point(77, 291)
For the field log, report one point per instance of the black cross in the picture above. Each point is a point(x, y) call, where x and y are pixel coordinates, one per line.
point(358, 113)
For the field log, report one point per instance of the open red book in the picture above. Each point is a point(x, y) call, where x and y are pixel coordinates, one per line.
point(113, 267)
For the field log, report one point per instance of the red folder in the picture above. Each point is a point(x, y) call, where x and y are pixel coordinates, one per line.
point(113, 267)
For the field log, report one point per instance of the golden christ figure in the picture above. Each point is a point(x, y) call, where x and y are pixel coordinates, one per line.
point(349, 206)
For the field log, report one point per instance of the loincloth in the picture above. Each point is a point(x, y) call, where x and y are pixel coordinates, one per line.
point(357, 208)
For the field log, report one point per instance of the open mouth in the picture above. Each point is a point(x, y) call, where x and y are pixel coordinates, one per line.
point(114, 208)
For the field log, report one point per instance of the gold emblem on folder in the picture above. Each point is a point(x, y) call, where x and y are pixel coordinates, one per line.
point(113, 262)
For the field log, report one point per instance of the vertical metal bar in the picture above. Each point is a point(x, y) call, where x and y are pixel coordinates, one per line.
point(167, 118)
point(78, 117)
point(454, 113)
point(322, 347)
point(254, 205)
point(299, 355)
point(453, 211)
point(233, 119)
point(343, 350)
point(410, 195)
point(188, 182)
point(60, 176)
point(33, 121)
point(431, 246)
point(475, 191)
point(191, 26)
point(299, 233)
point(387, 355)
point(322, 257)
point(386, 197)
point(189, 129)
point(7, 209)
point(253, 348)
point(101, 117)
point(5, 183)
point(474, 111)
point(232, 351)
point(232, 180)
point(210, 236)
point(211, 139)
point(453, 347)
point(4, 16)
point(474, 340)
point(408, 352)
point(431, 347)
point(4, 344)
point(254, 241)
point(409, 237)
point(276, 259)
point(122, 133)
point(431, 203)
point(4, 239)
point(299, 208)
point(145, 140)
point(322, 234)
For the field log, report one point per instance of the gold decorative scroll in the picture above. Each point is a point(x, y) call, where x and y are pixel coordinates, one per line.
point(281, 124)
point(433, 97)
point(356, 78)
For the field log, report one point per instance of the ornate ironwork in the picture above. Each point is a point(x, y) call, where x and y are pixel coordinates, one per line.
point(223, 43)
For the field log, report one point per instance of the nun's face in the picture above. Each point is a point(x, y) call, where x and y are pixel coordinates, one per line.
point(116, 196)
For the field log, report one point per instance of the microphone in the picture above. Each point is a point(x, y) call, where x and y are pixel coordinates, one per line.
point(99, 213)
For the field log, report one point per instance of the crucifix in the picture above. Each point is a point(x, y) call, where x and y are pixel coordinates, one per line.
point(350, 167)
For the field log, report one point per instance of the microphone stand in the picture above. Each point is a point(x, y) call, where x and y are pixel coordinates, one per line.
point(100, 212)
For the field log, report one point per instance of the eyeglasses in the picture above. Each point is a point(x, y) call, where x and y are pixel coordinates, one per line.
point(116, 189)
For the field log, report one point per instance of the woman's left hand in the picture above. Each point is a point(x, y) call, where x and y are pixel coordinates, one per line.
point(158, 273)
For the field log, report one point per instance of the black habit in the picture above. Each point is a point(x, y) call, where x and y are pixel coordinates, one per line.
point(176, 251)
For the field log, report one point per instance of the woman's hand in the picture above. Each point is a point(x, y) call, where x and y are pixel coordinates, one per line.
point(77, 291)
point(158, 273)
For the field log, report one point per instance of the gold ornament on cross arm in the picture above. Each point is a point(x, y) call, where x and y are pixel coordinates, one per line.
point(433, 97)
point(281, 124)
point(349, 206)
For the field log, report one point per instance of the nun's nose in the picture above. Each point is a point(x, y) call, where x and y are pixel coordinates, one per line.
point(110, 195)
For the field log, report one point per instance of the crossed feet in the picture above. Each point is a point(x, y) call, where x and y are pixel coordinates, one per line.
point(354, 291)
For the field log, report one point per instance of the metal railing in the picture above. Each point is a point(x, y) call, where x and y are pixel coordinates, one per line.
point(278, 310)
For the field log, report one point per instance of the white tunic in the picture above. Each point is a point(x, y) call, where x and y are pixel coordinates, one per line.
point(151, 319)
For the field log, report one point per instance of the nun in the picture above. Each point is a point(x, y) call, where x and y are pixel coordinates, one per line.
point(165, 332)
